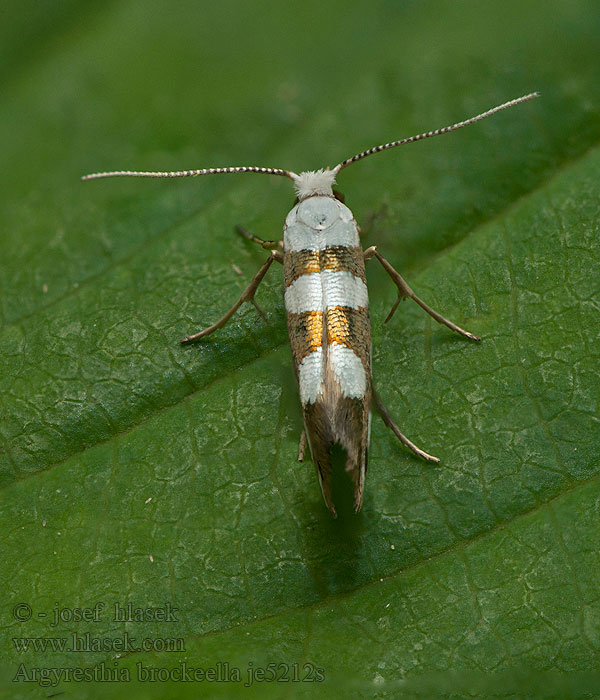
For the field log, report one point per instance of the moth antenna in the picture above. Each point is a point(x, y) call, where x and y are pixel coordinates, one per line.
point(437, 132)
point(193, 173)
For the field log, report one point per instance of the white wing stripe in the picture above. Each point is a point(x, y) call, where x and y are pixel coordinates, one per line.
point(300, 237)
point(348, 370)
point(324, 290)
point(342, 288)
point(304, 294)
point(310, 376)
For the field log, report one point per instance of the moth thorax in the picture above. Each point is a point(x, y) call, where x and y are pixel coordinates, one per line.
point(314, 182)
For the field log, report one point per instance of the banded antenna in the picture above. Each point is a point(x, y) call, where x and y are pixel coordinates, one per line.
point(437, 132)
point(292, 175)
point(193, 173)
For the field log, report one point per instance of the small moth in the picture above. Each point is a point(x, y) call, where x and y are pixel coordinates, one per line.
point(327, 308)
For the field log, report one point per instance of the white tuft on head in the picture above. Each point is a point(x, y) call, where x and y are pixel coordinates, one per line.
point(314, 182)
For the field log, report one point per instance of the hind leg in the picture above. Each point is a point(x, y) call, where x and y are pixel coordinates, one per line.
point(387, 419)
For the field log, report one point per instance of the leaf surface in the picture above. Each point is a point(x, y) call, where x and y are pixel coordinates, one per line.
point(135, 470)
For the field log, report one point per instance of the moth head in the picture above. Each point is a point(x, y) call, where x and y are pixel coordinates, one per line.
point(314, 182)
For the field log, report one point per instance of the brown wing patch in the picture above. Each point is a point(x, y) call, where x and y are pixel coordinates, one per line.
point(306, 333)
point(300, 262)
point(335, 258)
point(345, 424)
point(351, 327)
point(340, 257)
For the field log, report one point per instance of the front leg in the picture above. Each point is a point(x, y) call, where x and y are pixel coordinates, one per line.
point(247, 295)
point(267, 245)
point(404, 291)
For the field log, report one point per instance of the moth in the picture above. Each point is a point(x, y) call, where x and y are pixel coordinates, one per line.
point(327, 307)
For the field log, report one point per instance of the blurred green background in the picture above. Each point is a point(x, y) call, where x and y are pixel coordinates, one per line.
point(487, 563)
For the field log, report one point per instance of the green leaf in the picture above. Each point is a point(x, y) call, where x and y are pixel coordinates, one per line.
point(134, 470)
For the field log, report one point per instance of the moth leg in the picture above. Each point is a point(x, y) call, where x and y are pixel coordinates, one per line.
point(387, 419)
point(404, 291)
point(268, 245)
point(247, 295)
point(261, 313)
point(302, 446)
